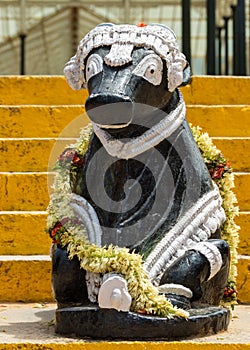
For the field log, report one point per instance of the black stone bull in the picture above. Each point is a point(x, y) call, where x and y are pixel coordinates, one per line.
point(143, 175)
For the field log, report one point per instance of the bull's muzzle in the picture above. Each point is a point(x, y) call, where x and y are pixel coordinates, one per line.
point(110, 111)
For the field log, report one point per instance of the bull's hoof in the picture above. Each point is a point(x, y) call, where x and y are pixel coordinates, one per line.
point(178, 300)
point(110, 324)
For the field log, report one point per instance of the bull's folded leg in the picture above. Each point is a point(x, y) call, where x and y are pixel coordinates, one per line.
point(68, 280)
point(203, 270)
point(213, 289)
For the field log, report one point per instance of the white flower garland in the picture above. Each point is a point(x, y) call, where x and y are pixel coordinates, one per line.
point(66, 230)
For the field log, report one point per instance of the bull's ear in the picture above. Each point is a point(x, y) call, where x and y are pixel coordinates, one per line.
point(186, 75)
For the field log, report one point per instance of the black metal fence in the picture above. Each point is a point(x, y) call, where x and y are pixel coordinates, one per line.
point(217, 56)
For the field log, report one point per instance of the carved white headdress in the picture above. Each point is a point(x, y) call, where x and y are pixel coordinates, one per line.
point(122, 39)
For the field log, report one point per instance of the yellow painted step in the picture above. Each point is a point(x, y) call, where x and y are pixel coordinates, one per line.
point(24, 191)
point(23, 233)
point(129, 345)
point(29, 191)
point(243, 278)
point(47, 90)
point(41, 121)
point(125, 345)
point(15, 229)
point(15, 90)
point(41, 155)
point(236, 150)
point(28, 278)
point(242, 186)
point(243, 220)
point(221, 121)
point(217, 90)
point(25, 278)
point(29, 155)
point(66, 121)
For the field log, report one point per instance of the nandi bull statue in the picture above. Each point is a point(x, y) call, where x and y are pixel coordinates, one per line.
point(140, 184)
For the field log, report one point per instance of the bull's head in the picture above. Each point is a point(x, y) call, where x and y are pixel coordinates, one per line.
point(128, 65)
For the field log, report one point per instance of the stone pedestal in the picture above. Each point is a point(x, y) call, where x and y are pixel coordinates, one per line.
point(110, 324)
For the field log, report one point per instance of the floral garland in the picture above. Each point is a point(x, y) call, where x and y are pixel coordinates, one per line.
point(221, 172)
point(66, 230)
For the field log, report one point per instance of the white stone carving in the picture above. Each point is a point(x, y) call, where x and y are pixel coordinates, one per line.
point(178, 289)
point(150, 68)
point(93, 282)
point(94, 66)
point(113, 293)
point(213, 255)
point(122, 39)
point(185, 231)
point(86, 214)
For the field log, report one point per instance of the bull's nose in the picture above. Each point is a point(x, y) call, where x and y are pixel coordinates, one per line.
point(109, 110)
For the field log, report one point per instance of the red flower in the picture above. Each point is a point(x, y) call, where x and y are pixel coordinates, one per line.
point(70, 156)
point(217, 172)
point(77, 160)
point(56, 228)
point(67, 155)
point(142, 24)
point(228, 292)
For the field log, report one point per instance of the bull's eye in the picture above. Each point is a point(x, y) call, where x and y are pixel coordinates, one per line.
point(94, 66)
point(150, 68)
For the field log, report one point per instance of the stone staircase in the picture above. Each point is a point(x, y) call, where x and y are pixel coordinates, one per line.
point(38, 118)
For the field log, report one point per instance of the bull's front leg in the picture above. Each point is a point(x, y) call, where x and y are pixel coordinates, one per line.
point(68, 279)
point(203, 270)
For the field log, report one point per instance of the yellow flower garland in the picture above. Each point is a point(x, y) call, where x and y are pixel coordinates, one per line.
point(145, 296)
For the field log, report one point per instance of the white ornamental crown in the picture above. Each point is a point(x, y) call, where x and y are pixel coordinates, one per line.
point(122, 39)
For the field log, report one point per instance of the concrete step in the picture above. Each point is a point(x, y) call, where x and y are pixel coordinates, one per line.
point(47, 90)
point(38, 121)
point(31, 155)
point(31, 327)
point(15, 233)
point(29, 191)
point(41, 154)
point(236, 150)
point(15, 229)
point(221, 121)
point(243, 278)
point(243, 220)
point(27, 278)
point(217, 90)
point(25, 191)
point(242, 185)
point(51, 90)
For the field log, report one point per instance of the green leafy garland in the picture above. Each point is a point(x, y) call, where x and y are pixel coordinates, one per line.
point(65, 229)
